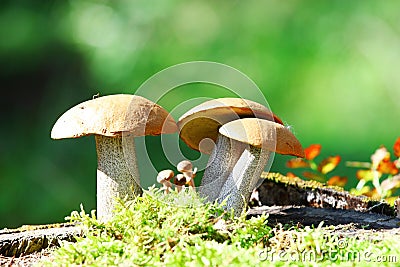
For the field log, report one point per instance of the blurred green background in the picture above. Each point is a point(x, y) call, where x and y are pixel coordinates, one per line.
point(330, 69)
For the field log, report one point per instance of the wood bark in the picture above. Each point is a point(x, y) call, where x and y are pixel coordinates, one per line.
point(279, 190)
point(26, 240)
point(309, 216)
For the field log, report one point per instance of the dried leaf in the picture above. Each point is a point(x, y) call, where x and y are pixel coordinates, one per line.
point(297, 163)
point(387, 167)
point(338, 181)
point(328, 164)
point(379, 155)
point(312, 151)
point(313, 176)
point(396, 148)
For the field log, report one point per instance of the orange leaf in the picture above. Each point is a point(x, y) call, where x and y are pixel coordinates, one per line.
point(313, 176)
point(297, 163)
point(337, 180)
point(312, 151)
point(291, 175)
point(328, 164)
point(387, 167)
point(396, 148)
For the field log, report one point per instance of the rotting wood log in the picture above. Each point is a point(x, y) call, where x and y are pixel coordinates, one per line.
point(309, 216)
point(279, 190)
point(32, 238)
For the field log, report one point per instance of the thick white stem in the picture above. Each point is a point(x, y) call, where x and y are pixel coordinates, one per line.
point(117, 173)
point(239, 185)
point(220, 164)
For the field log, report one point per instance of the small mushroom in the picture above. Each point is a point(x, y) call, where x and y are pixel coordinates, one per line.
point(201, 123)
point(261, 138)
point(164, 178)
point(109, 118)
point(186, 168)
point(180, 181)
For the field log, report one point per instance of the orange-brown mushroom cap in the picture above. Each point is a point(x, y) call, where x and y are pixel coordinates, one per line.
point(264, 134)
point(113, 115)
point(204, 120)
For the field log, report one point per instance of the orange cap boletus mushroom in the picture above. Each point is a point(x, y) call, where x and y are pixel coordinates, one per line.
point(108, 118)
point(261, 138)
point(198, 128)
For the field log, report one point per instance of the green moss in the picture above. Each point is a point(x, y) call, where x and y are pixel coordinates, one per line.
point(179, 230)
point(296, 181)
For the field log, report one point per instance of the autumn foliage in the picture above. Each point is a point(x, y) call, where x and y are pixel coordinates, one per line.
point(318, 171)
point(378, 178)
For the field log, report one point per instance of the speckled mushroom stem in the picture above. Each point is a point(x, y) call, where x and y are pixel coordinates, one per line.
point(243, 178)
point(220, 164)
point(117, 173)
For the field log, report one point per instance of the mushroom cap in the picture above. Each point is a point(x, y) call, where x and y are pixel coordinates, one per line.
point(184, 166)
point(112, 115)
point(165, 175)
point(264, 134)
point(203, 121)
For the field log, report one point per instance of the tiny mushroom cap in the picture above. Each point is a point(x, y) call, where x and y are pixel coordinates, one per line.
point(203, 121)
point(108, 118)
point(264, 134)
point(165, 175)
point(163, 178)
point(185, 166)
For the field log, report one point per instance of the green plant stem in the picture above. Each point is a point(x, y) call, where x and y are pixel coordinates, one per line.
point(360, 185)
point(358, 164)
point(313, 165)
point(377, 183)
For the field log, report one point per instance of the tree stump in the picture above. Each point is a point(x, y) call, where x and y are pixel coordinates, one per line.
point(277, 189)
point(29, 239)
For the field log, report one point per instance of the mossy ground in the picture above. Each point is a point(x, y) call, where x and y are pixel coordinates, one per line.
point(179, 230)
